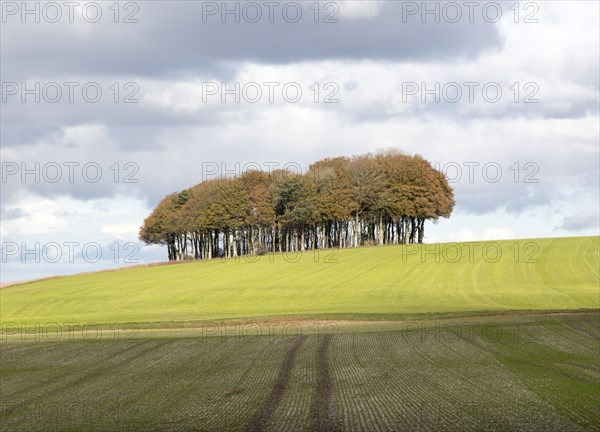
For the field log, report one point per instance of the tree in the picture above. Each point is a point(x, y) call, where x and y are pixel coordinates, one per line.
point(369, 199)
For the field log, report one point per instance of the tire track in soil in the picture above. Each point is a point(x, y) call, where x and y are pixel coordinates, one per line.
point(324, 411)
point(261, 418)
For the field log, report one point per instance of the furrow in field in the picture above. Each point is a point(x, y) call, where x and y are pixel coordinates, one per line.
point(65, 371)
point(224, 390)
point(324, 410)
point(529, 374)
point(295, 410)
point(261, 418)
point(194, 385)
point(103, 369)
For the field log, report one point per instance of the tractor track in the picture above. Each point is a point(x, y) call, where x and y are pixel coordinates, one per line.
point(262, 417)
point(324, 416)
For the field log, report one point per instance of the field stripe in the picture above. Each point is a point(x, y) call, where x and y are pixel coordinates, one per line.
point(61, 376)
point(90, 375)
point(261, 418)
point(325, 408)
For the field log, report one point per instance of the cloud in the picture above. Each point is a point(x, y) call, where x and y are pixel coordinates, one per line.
point(499, 233)
point(464, 235)
point(128, 231)
point(359, 10)
point(584, 220)
point(188, 36)
point(13, 213)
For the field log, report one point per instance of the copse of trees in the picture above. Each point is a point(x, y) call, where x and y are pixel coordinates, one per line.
point(340, 202)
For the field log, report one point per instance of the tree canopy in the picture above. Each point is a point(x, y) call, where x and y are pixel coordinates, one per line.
point(339, 202)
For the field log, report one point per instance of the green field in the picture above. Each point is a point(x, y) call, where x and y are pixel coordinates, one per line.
point(369, 339)
point(364, 283)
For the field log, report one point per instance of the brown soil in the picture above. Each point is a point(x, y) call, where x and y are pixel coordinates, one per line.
point(324, 419)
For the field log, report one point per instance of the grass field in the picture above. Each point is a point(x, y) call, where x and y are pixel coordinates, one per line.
point(364, 283)
point(384, 339)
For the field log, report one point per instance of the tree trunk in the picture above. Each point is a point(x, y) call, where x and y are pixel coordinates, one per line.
point(355, 237)
point(209, 243)
point(279, 237)
point(260, 244)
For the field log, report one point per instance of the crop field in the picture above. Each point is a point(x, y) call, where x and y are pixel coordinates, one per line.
point(362, 283)
point(394, 338)
point(514, 373)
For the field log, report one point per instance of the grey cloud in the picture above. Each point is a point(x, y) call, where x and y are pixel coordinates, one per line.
point(173, 39)
point(588, 219)
point(543, 187)
point(12, 213)
point(487, 198)
point(24, 123)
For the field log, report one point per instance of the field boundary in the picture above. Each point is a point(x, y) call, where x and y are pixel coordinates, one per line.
point(357, 319)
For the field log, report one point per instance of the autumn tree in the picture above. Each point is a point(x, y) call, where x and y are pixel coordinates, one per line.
point(378, 199)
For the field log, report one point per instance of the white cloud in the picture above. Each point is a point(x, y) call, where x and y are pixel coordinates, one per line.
point(356, 10)
point(65, 218)
point(122, 231)
point(492, 233)
point(499, 233)
point(464, 235)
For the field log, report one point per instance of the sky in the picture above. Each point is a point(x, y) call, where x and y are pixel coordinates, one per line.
point(107, 107)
